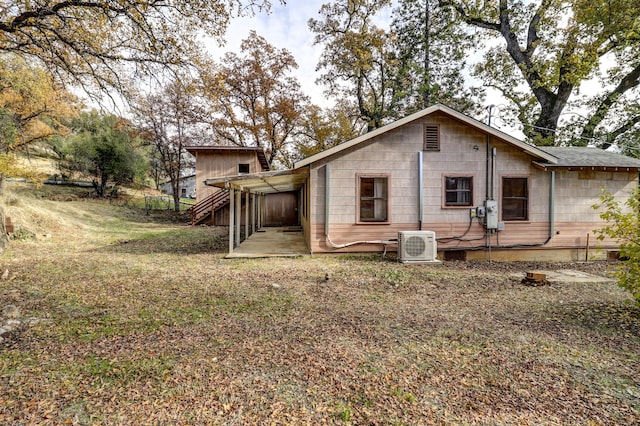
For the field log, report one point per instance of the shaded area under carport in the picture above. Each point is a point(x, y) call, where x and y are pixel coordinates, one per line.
point(272, 242)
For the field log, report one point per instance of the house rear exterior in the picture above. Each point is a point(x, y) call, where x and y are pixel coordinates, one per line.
point(481, 191)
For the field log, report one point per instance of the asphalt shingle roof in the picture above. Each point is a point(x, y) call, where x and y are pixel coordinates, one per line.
point(573, 156)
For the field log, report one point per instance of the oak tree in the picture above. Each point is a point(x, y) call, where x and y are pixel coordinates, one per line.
point(356, 57)
point(321, 129)
point(105, 149)
point(256, 100)
point(33, 107)
point(92, 42)
point(549, 50)
point(169, 120)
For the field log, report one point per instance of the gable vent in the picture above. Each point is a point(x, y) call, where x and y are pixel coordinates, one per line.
point(431, 137)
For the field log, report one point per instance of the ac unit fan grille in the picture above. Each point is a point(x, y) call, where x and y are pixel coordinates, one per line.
point(415, 246)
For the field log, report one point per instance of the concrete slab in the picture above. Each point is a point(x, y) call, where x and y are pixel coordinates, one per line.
point(272, 242)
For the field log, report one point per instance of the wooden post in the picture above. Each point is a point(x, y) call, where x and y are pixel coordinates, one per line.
point(238, 202)
point(246, 216)
point(586, 252)
point(231, 217)
point(253, 213)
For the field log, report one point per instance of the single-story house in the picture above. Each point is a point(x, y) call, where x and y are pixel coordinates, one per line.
point(479, 191)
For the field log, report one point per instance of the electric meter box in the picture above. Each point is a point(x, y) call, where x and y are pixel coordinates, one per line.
point(491, 209)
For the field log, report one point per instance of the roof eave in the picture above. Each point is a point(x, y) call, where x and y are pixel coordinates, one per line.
point(529, 149)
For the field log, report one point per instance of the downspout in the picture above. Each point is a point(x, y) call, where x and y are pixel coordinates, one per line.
point(552, 206)
point(327, 180)
point(420, 190)
point(487, 167)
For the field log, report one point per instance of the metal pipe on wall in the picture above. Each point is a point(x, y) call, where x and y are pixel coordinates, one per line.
point(494, 153)
point(420, 189)
point(552, 205)
point(327, 180)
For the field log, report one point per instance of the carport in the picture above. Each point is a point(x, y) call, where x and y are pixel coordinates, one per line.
point(259, 240)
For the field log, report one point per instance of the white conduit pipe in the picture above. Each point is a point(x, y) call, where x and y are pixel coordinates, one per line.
point(327, 178)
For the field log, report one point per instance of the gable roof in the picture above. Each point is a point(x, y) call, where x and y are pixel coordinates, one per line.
point(583, 157)
point(523, 146)
point(262, 157)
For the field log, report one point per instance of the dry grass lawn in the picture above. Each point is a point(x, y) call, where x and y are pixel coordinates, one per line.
point(141, 322)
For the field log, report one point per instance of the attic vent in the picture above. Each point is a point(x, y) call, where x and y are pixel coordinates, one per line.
point(431, 137)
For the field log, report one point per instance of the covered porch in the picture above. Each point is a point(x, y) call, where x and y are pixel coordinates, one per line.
point(254, 238)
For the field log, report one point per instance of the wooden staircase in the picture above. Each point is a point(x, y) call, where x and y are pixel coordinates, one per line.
point(205, 208)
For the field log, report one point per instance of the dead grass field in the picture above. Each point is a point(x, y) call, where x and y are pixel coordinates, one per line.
point(146, 323)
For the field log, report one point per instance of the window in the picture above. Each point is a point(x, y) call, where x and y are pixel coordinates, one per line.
point(458, 190)
point(515, 198)
point(243, 169)
point(373, 198)
point(183, 192)
point(431, 137)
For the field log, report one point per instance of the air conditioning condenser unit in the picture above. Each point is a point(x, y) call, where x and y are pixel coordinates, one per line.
point(417, 247)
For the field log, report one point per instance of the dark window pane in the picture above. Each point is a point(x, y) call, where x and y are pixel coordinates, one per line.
point(458, 191)
point(515, 199)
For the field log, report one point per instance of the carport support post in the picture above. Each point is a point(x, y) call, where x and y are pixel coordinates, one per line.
point(238, 202)
point(231, 217)
point(253, 213)
point(246, 215)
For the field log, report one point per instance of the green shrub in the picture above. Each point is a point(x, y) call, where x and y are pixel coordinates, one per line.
point(624, 226)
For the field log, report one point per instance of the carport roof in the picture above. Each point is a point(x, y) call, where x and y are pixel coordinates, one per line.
point(263, 183)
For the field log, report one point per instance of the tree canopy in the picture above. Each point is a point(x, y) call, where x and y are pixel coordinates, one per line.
point(104, 148)
point(430, 50)
point(169, 120)
point(549, 51)
point(33, 107)
point(390, 72)
point(357, 57)
point(255, 99)
point(92, 42)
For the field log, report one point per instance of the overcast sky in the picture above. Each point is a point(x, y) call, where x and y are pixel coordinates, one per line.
point(284, 28)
